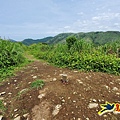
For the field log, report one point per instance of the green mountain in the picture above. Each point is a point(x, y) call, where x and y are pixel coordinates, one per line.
point(12, 40)
point(60, 38)
point(32, 41)
point(98, 38)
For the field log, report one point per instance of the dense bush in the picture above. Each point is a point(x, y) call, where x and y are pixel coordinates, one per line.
point(81, 55)
point(70, 41)
point(10, 54)
point(40, 50)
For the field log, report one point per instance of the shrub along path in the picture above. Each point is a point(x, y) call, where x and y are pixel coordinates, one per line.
point(80, 99)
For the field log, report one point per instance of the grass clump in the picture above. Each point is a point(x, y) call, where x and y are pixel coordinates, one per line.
point(37, 84)
point(2, 107)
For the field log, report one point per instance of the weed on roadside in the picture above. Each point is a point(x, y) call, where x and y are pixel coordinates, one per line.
point(2, 107)
point(37, 84)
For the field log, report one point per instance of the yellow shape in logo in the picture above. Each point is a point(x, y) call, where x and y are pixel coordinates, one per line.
point(107, 107)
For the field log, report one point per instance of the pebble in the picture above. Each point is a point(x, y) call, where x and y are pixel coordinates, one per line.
point(41, 96)
point(104, 116)
point(9, 93)
point(75, 71)
point(16, 87)
point(118, 79)
point(115, 89)
point(94, 100)
point(79, 119)
point(87, 119)
point(34, 77)
point(67, 114)
point(17, 118)
point(63, 100)
point(74, 118)
point(68, 98)
point(15, 80)
point(117, 93)
point(29, 82)
point(102, 100)
point(25, 115)
point(1, 117)
point(99, 100)
point(16, 115)
point(1, 98)
point(15, 110)
point(48, 76)
point(107, 87)
point(54, 79)
point(74, 93)
point(74, 101)
point(111, 83)
point(2, 93)
point(5, 104)
point(56, 110)
point(76, 106)
point(79, 81)
point(92, 105)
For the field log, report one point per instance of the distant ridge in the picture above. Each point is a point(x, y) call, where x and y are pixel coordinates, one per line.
point(30, 41)
point(98, 38)
point(12, 40)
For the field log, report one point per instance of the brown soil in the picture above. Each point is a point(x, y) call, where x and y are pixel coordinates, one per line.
point(72, 98)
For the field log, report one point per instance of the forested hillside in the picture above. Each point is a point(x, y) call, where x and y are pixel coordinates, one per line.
point(99, 38)
point(30, 41)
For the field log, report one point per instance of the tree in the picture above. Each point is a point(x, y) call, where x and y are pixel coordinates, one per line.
point(70, 41)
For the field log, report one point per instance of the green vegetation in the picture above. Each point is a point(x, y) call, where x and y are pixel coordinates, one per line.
point(93, 51)
point(11, 56)
point(98, 38)
point(70, 41)
point(37, 84)
point(22, 92)
point(82, 55)
point(32, 41)
point(40, 50)
point(2, 107)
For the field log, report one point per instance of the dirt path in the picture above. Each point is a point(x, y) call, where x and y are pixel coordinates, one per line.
point(80, 99)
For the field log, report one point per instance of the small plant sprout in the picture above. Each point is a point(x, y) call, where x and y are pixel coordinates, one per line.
point(37, 84)
point(2, 107)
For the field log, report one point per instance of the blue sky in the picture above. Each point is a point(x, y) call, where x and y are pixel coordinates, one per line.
point(20, 19)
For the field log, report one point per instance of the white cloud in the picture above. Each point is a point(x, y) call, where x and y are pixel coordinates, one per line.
point(106, 16)
point(117, 15)
point(67, 27)
point(80, 13)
